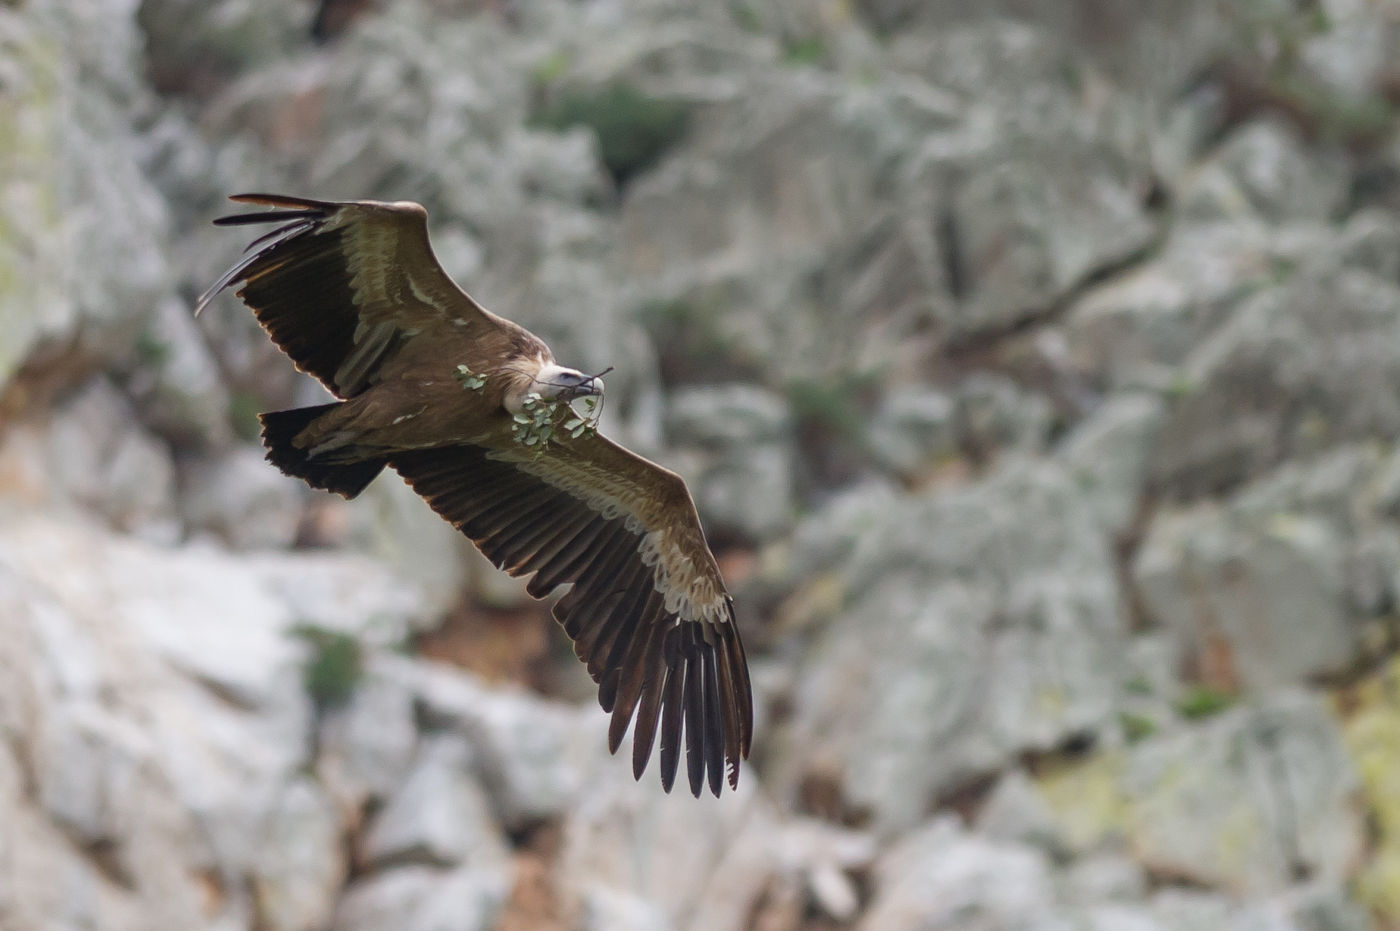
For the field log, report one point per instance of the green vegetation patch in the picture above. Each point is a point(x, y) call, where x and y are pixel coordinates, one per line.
point(334, 668)
point(837, 405)
point(1202, 701)
point(1136, 727)
point(152, 352)
point(243, 410)
point(806, 51)
point(634, 130)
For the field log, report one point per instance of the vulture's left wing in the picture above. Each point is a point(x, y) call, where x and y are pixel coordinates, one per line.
point(338, 285)
point(648, 611)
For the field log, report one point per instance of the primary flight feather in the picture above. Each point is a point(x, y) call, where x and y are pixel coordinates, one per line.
point(472, 411)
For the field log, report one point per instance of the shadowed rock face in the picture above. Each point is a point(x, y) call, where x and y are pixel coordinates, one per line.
point(1034, 367)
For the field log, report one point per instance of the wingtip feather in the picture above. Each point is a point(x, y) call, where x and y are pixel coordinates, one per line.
point(671, 708)
point(694, 722)
point(282, 200)
point(277, 236)
point(715, 745)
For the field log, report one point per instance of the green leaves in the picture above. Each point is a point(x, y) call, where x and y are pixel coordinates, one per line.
point(540, 419)
point(472, 381)
point(587, 422)
point(536, 424)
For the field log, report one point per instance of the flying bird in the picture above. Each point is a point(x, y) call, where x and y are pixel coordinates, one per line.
point(475, 414)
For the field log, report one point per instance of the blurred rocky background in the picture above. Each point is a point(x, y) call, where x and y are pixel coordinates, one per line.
point(1035, 366)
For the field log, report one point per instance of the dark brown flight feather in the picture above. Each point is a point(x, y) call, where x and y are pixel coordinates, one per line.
point(351, 292)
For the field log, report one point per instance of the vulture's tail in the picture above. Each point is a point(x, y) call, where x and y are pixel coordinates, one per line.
point(346, 479)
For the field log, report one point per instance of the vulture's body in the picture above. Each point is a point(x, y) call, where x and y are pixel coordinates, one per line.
point(352, 293)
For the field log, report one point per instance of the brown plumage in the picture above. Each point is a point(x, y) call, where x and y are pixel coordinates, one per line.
point(352, 293)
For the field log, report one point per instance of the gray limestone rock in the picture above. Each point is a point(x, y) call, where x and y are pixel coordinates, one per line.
point(424, 898)
point(1134, 329)
point(1370, 240)
point(1020, 219)
point(367, 745)
point(728, 416)
point(855, 716)
point(1344, 486)
point(1349, 52)
point(702, 863)
point(75, 189)
point(728, 234)
point(1153, 50)
point(438, 816)
point(993, 413)
point(737, 445)
point(341, 592)
point(1184, 908)
point(301, 864)
point(1109, 877)
point(914, 429)
point(1108, 453)
point(603, 908)
point(1255, 799)
point(1270, 592)
point(1033, 224)
point(822, 859)
point(1297, 367)
point(1264, 169)
point(533, 756)
point(391, 524)
point(87, 766)
point(1016, 812)
point(175, 381)
point(242, 499)
point(1100, 917)
point(959, 648)
point(1285, 581)
point(1321, 905)
point(162, 702)
point(100, 459)
point(972, 216)
point(941, 877)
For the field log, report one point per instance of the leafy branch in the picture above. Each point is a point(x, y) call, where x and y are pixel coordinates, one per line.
point(540, 420)
point(472, 381)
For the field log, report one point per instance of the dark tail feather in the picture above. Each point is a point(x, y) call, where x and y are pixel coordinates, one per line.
point(346, 479)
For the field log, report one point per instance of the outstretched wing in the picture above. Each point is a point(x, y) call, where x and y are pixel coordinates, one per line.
point(339, 285)
point(648, 611)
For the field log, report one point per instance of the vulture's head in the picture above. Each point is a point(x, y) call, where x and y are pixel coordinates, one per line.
point(556, 383)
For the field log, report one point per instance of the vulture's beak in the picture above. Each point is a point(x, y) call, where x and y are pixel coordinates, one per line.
point(592, 386)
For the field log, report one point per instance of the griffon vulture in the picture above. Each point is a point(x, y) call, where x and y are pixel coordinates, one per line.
point(473, 412)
